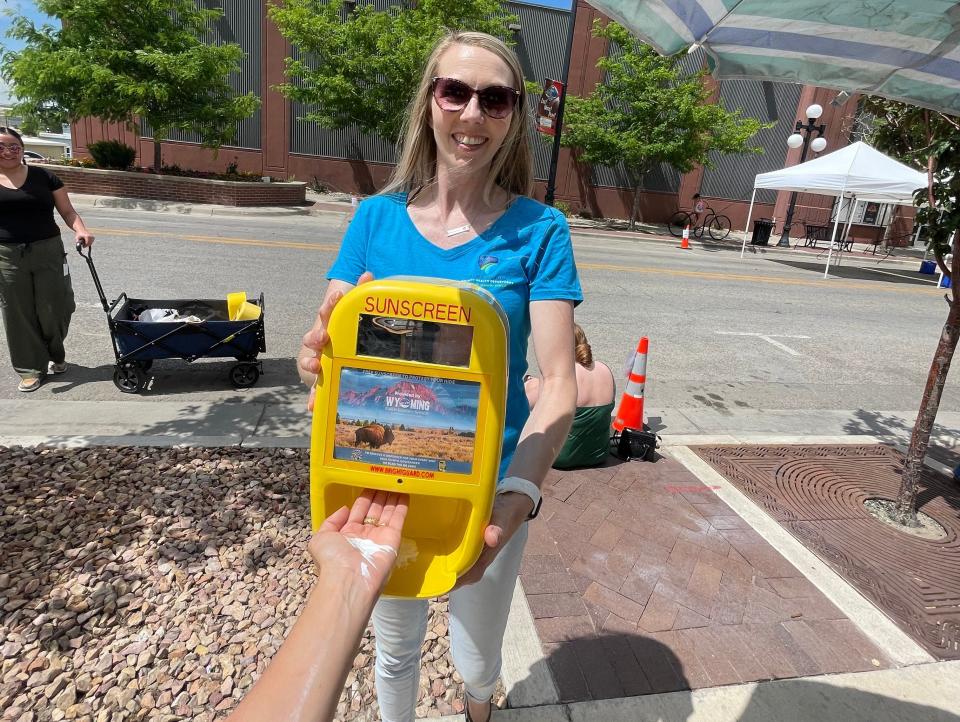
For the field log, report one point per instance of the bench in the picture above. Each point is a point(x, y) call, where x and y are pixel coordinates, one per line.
point(815, 233)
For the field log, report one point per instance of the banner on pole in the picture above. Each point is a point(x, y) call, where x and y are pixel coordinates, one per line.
point(548, 105)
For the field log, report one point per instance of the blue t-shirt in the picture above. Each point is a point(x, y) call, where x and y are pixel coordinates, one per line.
point(526, 255)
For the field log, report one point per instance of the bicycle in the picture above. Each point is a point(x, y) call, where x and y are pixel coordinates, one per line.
point(718, 226)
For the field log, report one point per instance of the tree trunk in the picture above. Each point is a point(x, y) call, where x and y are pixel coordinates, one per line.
point(157, 161)
point(635, 210)
point(929, 404)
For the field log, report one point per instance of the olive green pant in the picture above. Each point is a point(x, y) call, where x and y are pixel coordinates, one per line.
point(36, 301)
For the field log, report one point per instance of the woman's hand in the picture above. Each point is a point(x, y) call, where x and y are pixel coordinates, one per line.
point(361, 543)
point(85, 237)
point(510, 511)
point(308, 360)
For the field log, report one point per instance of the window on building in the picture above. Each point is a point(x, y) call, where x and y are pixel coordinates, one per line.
point(867, 213)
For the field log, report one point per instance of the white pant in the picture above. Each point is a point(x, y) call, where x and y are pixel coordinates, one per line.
point(478, 618)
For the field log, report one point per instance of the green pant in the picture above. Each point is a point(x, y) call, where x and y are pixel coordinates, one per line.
point(36, 300)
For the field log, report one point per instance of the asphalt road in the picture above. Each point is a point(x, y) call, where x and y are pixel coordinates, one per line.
point(765, 332)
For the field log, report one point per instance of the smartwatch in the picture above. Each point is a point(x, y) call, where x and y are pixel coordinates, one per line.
point(522, 486)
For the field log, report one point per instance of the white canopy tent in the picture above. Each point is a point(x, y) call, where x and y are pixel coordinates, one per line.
point(857, 172)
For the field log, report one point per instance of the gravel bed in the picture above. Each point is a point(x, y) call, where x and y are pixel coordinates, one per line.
point(157, 583)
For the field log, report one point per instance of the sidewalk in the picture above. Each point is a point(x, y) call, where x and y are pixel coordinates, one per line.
point(647, 590)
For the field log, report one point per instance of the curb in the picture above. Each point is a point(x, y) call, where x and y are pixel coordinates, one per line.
point(81, 200)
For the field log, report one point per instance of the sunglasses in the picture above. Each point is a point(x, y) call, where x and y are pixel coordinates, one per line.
point(496, 101)
point(10, 146)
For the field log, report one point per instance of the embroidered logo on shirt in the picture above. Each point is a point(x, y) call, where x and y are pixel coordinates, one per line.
point(488, 262)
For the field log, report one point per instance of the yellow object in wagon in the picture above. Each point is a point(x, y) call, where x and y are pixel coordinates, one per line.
point(240, 309)
point(412, 399)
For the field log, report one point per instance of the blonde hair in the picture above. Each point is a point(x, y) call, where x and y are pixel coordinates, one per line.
point(581, 347)
point(512, 165)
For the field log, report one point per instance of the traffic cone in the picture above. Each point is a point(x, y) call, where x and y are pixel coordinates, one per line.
point(685, 243)
point(630, 413)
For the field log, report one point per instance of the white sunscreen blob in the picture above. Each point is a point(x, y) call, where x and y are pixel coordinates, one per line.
point(367, 550)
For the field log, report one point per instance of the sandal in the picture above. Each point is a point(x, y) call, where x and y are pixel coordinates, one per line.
point(29, 383)
point(466, 709)
point(57, 368)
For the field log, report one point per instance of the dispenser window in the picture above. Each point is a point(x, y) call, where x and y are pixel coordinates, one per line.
point(409, 339)
point(404, 423)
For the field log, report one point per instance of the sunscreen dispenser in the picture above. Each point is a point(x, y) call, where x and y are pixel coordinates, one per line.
point(411, 399)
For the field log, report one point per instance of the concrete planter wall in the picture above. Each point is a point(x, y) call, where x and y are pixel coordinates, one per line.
point(126, 184)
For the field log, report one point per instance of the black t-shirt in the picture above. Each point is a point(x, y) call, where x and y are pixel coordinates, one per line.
point(26, 214)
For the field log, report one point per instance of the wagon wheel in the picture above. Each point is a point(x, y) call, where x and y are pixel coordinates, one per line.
point(244, 374)
point(129, 378)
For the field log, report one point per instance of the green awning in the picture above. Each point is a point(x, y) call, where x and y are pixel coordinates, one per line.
point(900, 49)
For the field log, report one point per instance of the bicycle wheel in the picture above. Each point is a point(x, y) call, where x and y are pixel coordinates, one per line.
point(719, 228)
point(678, 221)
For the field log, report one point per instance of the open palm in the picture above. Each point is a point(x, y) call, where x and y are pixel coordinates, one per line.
point(363, 540)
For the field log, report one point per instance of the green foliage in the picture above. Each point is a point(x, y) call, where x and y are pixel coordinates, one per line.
point(360, 67)
point(42, 117)
point(564, 208)
point(930, 140)
point(648, 112)
point(123, 59)
point(112, 154)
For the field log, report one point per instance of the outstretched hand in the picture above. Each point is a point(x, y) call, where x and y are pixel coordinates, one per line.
point(362, 542)
point(317, 337)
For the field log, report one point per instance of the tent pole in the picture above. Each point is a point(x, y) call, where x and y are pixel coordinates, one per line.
point(846, 228)
point(836, 223)
point(743, 247)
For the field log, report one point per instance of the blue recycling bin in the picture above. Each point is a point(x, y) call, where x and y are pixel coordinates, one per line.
point(928, 267)
point(944, 283)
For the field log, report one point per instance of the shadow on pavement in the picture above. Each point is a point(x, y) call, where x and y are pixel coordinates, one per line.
point(639, 665)
point(859, 273)
point(874, 423)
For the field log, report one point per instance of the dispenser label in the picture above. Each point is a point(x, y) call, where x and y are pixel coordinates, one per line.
point(403, 423)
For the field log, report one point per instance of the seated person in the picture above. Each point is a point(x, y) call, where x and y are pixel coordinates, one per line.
point(588, 442)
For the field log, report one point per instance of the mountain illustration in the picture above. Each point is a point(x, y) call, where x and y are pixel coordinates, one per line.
point(401, 390)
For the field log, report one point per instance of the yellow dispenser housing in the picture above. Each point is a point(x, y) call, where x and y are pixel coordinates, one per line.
point(412, 399)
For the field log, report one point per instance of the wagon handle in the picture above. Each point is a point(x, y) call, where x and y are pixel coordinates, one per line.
point(88, 257)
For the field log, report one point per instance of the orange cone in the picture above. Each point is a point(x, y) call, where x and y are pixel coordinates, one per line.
point(685, 243)
point(630, 413)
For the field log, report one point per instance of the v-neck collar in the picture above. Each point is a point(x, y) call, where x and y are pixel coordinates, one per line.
point(462, 248)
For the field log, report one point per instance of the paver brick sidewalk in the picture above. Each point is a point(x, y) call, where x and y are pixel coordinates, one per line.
point(641, 580)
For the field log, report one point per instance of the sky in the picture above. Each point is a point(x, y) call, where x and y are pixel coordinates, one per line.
point(27, 7)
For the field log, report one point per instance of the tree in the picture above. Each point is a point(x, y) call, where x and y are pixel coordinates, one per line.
point(43, 118)
point(360, 66)
point(932, 140)
point(647, 112)
point(125, 59)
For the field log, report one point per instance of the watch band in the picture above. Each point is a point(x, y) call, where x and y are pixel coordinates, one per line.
point(522, 486)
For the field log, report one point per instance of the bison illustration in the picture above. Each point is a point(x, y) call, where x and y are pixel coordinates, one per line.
point(375, 435)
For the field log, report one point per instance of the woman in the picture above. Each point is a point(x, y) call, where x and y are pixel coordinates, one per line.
point(36, 296)
point(588, 442)
point(457, 207)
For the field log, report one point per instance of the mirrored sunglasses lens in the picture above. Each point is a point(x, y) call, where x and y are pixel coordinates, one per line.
point(9, 146)
point(452, 94)
point(497, 102)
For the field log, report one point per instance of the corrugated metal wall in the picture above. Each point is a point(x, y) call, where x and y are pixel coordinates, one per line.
point(733, 175)
point(241, 23)
point(664, 177)
point(539, 45)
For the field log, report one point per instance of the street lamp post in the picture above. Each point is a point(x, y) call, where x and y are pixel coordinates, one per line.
point(816, 145)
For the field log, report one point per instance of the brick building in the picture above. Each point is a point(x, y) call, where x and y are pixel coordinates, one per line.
point(277, 143)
